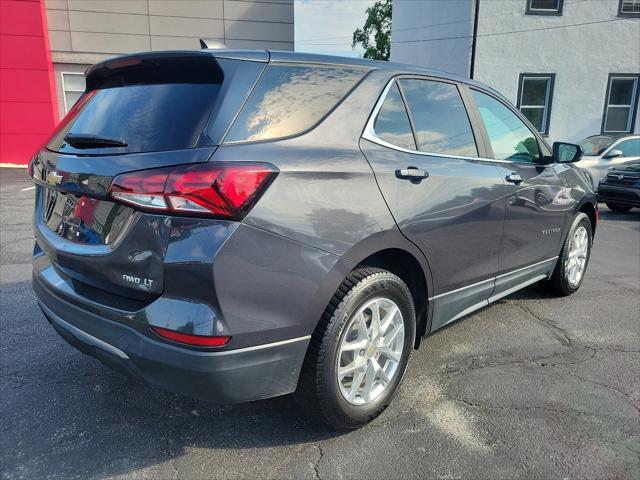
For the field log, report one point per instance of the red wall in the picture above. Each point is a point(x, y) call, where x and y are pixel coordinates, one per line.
point(28, 104)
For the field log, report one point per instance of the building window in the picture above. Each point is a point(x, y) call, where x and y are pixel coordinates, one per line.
point(544, 7)
point(73, 85)
point(621, 103)
point(535, 93)
point(629, 8)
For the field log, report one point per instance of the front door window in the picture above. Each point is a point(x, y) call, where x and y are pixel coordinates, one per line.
point(510, 138)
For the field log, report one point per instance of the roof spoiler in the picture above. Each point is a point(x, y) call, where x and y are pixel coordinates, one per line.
point(211, 44)
point(153, 68)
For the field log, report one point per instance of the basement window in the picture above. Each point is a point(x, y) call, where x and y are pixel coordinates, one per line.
point(629, 8)
point(544, 7)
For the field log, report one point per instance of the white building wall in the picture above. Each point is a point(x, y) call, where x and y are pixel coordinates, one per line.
point(418, 28)
point(581, 57)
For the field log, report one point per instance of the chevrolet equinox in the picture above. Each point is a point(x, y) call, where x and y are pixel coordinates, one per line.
point(238, 225)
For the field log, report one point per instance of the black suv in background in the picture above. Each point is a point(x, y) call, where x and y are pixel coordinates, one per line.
point(620, 187)
point(237, 225)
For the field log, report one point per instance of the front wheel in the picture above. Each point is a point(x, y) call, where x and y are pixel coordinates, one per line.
point(615, 207)
point(360, 349)
point(574, 258)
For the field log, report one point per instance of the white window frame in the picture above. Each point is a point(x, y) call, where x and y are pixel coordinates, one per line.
point(544, 11)
point(546, 108)
point(632, 13)
point(65, 90)
point(631, 106)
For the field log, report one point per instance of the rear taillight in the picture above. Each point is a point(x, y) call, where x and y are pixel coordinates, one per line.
point(223, 190)
point(188, 339)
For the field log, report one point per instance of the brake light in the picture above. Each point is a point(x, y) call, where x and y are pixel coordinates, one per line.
point(188, 339)
point(224, 190)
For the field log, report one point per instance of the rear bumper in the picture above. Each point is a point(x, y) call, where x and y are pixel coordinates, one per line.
point(620, 195)
point(229, 376)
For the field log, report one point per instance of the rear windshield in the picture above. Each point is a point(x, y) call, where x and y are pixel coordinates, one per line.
point(155, 102)
point(146, 117)
point(292, 98)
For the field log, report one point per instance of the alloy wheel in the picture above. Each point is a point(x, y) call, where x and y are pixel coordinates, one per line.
point(576, 261)
point(370, 351)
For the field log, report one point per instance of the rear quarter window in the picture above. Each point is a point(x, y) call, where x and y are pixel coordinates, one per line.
point(292, 98)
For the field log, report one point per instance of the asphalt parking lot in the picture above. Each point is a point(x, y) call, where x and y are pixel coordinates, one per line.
point(530, 387)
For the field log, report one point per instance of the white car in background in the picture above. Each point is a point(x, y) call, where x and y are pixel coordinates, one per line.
point(600, 152)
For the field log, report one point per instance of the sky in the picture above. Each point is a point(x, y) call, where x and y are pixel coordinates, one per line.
point(326, 26)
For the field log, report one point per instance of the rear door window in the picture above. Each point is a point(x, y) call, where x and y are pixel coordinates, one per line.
point(510, 138)
point(292, 98)
point(439, 118)
point(392, 123)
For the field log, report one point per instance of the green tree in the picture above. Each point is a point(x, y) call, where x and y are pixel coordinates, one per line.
point(375, 36)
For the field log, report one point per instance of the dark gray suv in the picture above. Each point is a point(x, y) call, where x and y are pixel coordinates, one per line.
point(237, 225)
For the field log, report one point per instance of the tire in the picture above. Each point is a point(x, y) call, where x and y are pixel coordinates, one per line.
point(615, 207)
point(321, 391)
point(561, 282)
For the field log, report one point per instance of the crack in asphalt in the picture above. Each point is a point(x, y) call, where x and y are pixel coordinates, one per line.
point(174, 466)
point(635, 405)
point(546, 321)
point(486, 362)
point(316, 465)
point(570, 343)
point(613, 349)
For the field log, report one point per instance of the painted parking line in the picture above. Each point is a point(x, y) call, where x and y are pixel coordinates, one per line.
point(28, 188)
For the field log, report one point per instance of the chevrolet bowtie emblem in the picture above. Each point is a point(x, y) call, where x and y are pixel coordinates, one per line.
point(53, 178)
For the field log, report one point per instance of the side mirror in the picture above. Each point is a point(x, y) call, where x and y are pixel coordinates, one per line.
point(613, 154)
point(566, 152)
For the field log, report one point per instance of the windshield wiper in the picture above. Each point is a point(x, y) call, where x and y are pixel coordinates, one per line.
point(79, 140)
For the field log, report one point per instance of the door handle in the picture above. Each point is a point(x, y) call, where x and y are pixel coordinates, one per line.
point(412, 173)
point(514, 178)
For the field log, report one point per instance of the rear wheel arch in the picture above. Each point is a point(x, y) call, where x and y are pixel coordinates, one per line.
point(406, 266)
point(388, 250)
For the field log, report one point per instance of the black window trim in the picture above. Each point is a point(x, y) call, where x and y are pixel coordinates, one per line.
point(369, 133)
point(634, 106)
point(540, 11)
point(626, 14)
point(548, 100)
point(408, 112)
